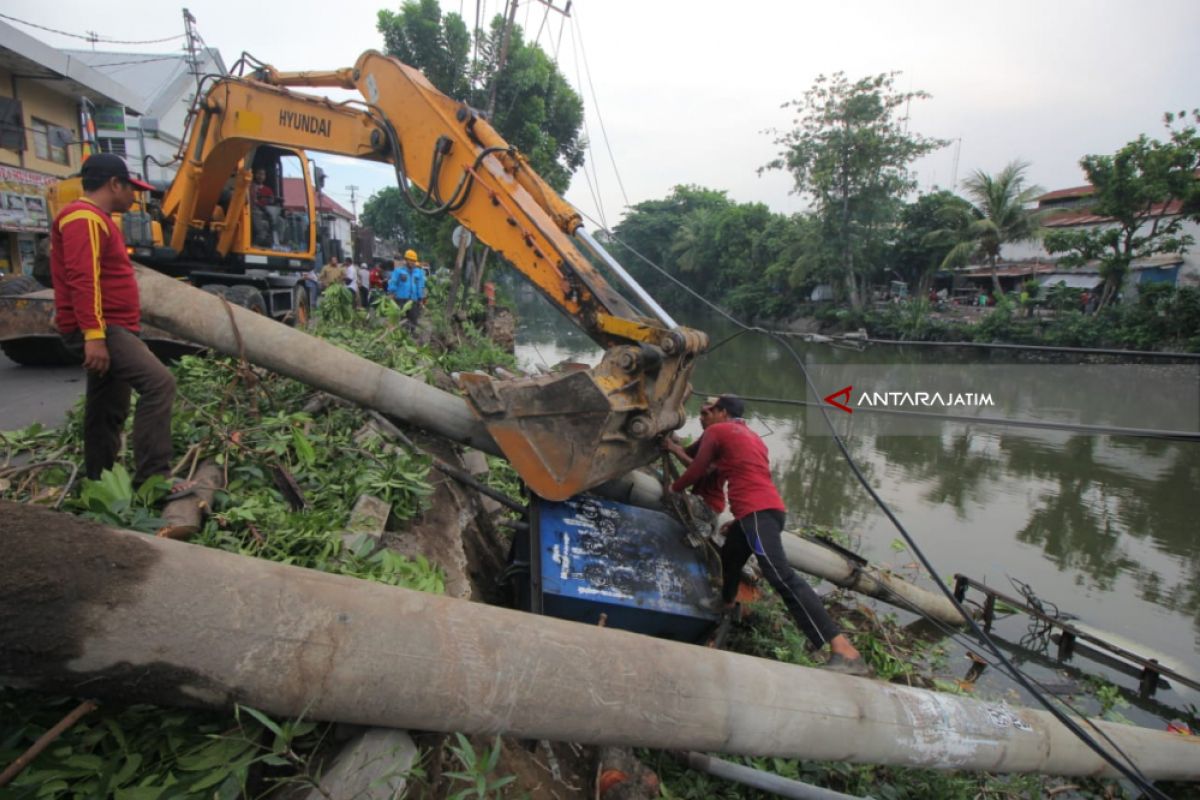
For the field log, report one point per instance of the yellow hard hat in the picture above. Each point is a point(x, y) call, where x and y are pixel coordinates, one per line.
point(411, 255)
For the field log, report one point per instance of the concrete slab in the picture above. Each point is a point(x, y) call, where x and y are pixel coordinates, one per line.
point(372, 766)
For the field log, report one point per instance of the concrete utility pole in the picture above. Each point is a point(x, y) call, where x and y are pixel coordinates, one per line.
point(353, 201)
point(116, 614)
point(508, 26)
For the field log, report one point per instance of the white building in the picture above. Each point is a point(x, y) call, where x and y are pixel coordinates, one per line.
point(46, 96)
point(1071, 208)
point(166, 84)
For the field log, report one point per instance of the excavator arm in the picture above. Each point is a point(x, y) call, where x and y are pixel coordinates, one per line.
point(563, 433)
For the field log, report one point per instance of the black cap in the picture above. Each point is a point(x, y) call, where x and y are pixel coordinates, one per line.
point(731, 404)
point(107, 165)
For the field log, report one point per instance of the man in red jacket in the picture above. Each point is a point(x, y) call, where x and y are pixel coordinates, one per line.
point(97, 311)
point(740, 459)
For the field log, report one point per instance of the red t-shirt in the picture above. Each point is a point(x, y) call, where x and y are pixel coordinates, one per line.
point(742, 461)
point(709, 488)
point(94, 282)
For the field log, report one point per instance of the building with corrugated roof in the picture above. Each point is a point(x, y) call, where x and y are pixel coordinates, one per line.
point(1071, 208)
point(47, 99)
point(167, 85)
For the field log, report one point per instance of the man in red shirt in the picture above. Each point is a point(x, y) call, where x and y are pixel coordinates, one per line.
point(740, 459)
point(98, 313)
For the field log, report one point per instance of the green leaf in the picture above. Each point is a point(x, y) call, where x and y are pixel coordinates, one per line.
point(139, 793)
point(85, 761)
point(264, 719)
point(128, 768)
point(304, 449)
point(211, 779)
point(48, 789)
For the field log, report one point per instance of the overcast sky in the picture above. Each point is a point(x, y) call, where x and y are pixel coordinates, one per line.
point(686, 90)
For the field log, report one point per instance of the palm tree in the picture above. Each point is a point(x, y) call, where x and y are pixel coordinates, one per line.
point(1000, 214)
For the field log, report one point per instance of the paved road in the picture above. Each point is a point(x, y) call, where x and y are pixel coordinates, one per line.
point(37, 394)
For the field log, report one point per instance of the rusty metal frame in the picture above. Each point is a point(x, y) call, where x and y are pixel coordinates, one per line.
point(1148, 678)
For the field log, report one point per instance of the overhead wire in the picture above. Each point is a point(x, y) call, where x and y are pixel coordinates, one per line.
point(590, 161)
point(1111, 430)
point(1123, 764)
point(1044, 348)
point(136, 61)
point(91, 38)
point(545, 17)
point(596, 106)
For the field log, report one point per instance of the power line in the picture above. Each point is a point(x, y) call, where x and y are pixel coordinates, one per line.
point(135, 61)
point(1095, 430)
point(588, 136)
point(599, 116)
point(91, 37)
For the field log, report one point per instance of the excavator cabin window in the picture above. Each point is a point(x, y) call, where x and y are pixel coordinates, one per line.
point(278, 201)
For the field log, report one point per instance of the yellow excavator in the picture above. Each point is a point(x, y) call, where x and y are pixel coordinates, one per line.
point(563, 433)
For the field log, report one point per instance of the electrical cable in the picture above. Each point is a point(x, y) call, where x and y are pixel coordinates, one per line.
point(590, 160)
point(1146, 433)
point(596, 105)
point(136, 61)
point(1109, 351)
point(545, 17)
point(1126, 767)
point(89, 38)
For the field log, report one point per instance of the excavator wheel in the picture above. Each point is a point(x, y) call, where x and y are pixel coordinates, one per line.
point(39, 351)
point(247, 297)
point(301, 313)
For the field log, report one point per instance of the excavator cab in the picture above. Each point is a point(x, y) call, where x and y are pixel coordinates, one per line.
point(265, 215)
point(280, 206)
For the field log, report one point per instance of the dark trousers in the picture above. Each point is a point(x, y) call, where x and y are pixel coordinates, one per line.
point(132, 367)
point(414, 313)
point(760, 533)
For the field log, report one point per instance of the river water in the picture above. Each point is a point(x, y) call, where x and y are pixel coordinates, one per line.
point(1105, 527)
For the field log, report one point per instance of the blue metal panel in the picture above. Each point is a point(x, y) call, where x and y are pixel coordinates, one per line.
point(631, 564)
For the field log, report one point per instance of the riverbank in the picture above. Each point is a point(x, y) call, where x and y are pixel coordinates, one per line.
point(1164, 320)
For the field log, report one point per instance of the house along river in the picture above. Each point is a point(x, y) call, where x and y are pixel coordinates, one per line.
point(1103, 526)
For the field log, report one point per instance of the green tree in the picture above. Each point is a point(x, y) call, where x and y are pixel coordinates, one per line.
point(389, 216)
point(1147, 190)
point(536, 109)
point(923, 240)
point(1001, 214)
point(650, 230)
point(850, 153)
point(738, 255)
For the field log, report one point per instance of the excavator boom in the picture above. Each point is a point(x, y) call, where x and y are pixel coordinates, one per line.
point(563, 433)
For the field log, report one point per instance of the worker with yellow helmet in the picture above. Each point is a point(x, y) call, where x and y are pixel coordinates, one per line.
point(408, 285)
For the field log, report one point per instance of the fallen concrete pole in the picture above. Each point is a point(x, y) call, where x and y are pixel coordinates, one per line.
point(812, 558)
point(117, 614)
point(204, 318)
point(824, 562)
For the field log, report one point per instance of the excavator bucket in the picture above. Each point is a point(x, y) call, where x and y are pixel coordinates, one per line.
point(565, 433)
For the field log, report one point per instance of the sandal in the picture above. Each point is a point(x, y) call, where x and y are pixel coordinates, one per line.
point(181, 489)
point(848, 666)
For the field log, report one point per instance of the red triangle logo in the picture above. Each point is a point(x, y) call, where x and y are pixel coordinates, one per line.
point(843, 393)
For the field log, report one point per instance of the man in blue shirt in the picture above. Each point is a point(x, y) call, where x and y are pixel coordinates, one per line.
point(408, 284)
point(400, 284)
